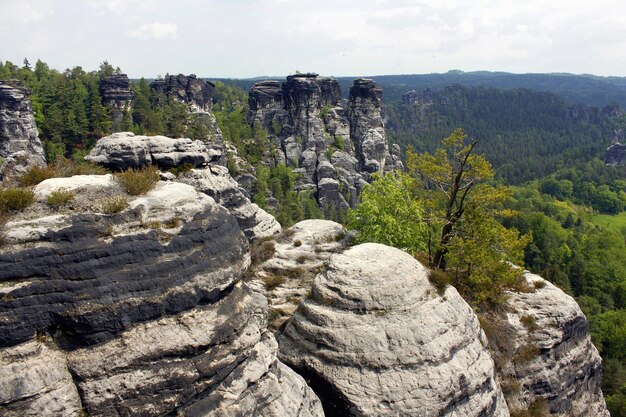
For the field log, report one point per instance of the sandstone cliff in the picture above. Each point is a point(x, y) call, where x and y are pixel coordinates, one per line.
point(117, 98)
point(20, 146)
point(333, 145)
point(142, 312)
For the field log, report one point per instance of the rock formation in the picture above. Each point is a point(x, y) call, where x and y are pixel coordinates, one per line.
point(553, 363)
point(191, 90)
point(334, 146)
point(615, 154)
point(20, 146)
point(117, 98)
point(124, 150)
point(197, 94)
point(137, 313)
point(376, 339)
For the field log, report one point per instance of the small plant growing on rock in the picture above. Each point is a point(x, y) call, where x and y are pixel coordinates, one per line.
point(36, 174)
point(272, 281)
point(440, 280)
point(261, 251)
point(529, 323)
point(297, 243)
point(114, 205)
point(138, 181)
point(60, 198)
point(539, 285)
point(15, 199)
point(527, 353)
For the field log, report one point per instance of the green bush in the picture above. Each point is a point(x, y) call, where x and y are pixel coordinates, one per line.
point(36, 174)
point(60, 198)
point(15, 199)
point(114, 205)
point(138, 181)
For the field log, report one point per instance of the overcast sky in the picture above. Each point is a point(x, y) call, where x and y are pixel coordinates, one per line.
point(244, 38)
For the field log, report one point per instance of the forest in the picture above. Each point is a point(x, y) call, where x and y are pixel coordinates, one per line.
point(545, 153)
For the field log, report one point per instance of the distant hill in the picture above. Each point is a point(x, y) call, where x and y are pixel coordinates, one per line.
point(584, 89)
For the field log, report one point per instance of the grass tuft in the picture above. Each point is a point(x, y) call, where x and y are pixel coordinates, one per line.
point(15, 199)
point(138, 181)
point(114, 205)
point(60, 198)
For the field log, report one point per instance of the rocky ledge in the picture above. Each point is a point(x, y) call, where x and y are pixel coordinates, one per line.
point(142, 312)
point(376, 339)
point(552, 363)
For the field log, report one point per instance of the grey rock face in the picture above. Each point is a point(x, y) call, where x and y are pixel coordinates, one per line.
point(124, 150)
point(554, 360)
point(117, 97)
point(615, 154)
point(195, 92)
point(216, 182)
point(299, 254)
point(366, 127)
point(113, 316)
point(375, 339)
point(20, 146)
point(308, 123)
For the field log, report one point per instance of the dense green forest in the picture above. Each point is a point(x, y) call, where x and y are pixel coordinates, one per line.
point(545, 152)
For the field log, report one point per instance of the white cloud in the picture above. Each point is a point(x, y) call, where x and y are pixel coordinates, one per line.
point(155, 30)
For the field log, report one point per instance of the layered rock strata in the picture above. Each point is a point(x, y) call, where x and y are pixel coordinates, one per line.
point(553, 363)
point(117, 98)
point(124, 150)
point(375, 339)
point(20, 146)
point(297, 256)
point(197, 94)
point(137, 313)
point(334, 146)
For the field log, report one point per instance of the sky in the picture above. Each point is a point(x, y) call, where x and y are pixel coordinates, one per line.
point(244, 38)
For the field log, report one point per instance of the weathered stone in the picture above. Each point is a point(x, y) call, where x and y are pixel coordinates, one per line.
point(193, 91)
point(35, 381)
point(375, 339)
point(20, 147)
point(553, 357)
point(125, 150)
point(216, 182)
point(299, 254)
point(615, 154)
point(117, 98)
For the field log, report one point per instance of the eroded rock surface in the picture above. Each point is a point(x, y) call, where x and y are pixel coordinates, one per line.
point(554, 361)
point(125, 150)
point(615, 154)
point(216, 182)
point(334, 146)
point(297, 255)
point(142, 312)
point(117, 98)
point(375, 339)
point(20, 146)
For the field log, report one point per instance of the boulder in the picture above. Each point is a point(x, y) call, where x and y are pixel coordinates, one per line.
point(375, 339)
point(124, 150)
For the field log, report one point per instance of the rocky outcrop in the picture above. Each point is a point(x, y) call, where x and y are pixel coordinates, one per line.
point(197, 94)
point(374, 339)
point(309, 123)
point(216, 182)
point(117, 98)
point(615, 154)
point(297, 256)
point(552, 362)
point(191, 90)
point(124, 150)
point(142, 312)
point(20, 146)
